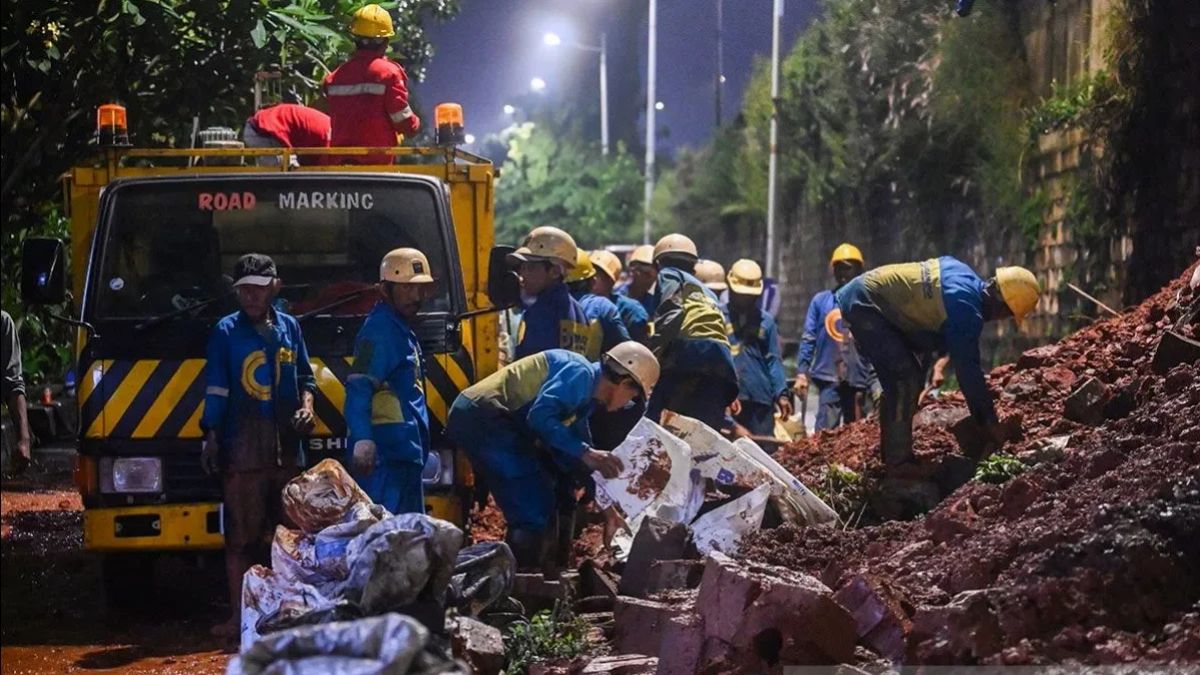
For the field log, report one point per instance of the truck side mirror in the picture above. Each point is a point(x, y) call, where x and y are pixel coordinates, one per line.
point(43, 271)
point(503, 286)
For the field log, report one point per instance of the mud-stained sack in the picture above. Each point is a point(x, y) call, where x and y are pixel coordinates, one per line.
point(379, 645)
point(266, 594)
point(322, 496)
point(483, 573)
point(400, 559)
point(796, 503)
point(320, 559)
point(656, 472)
point(723, 528)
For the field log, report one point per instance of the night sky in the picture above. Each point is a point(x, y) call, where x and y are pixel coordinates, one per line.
point(487, 55)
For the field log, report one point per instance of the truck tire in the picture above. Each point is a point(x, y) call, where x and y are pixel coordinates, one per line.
point(128, 580)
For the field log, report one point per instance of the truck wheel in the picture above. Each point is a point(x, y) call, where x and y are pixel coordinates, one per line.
point(128, 580)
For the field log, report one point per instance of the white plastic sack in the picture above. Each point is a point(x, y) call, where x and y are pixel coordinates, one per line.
point(722, 529)
point(320, 559)
point(715, 456)
point(265, 593)
point(656, 471)
point(398, 558)
point(796, 503)
point(378, 645)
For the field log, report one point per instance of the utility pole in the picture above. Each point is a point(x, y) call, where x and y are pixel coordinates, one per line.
point(650, 101)
point(772, 167)
point(720, 83)
point(604, 94)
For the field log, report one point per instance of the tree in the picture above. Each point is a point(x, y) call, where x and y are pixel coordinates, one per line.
point(552, 178)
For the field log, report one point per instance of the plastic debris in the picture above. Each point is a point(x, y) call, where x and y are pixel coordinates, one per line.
point(483, 573)
point(380, 645)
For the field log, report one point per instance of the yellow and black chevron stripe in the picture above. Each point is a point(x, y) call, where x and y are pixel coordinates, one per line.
point(163, 398)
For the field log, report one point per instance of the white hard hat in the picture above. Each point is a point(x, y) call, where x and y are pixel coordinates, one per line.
point(405, 266)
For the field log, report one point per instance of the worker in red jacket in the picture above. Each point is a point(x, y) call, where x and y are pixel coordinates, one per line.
point(287, 125)
point(368, 94)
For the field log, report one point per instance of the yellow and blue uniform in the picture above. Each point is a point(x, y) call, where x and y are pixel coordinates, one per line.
point(635, 317)
point(830, 358)
point(385, 403)
point(524, 429)
point(253, 382)
point(900, 315)
point(698, 378)
point(756, 355)
point(555, 320)
point(602, 312)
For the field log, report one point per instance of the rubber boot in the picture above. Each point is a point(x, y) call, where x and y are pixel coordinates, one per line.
point(528, 547)
point(561, 554)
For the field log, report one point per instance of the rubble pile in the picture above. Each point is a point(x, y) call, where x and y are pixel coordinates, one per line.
point(1091, 554)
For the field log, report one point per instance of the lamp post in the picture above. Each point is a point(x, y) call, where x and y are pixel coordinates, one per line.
point(772, 166)
point(553, 40)
point(651, 58)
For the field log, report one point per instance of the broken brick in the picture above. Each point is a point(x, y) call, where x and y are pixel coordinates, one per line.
point(672, 575)
point(639, 624)
point(624, 664)
point(962, 631)
point(681, 649)
point(481, 646)
point(656, 539)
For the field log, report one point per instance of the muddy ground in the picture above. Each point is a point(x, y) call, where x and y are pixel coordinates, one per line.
point(54, 618)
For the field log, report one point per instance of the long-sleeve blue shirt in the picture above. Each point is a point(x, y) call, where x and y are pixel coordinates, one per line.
point(757, 356)
point(601, 309)
point(649, 301)
point(253, 382)
point(549, 393)
point(635, 317)
point(555, 320)
point(385, 392)
point(827, 351)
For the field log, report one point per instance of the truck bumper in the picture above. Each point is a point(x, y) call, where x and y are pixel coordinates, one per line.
point(157, 527)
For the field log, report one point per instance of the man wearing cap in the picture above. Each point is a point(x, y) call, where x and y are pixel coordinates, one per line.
point(386, 412)
point(902, 314)
point(601, 312)
point(699, 379)
point(258, 402)
point(829, 358)
point(633, 314)
point(525, 427)
point(552, 319)
point(642, 275)
point(368, 94)
point(756, 353)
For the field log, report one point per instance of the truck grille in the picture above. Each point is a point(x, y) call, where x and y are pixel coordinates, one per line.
point(184, 480)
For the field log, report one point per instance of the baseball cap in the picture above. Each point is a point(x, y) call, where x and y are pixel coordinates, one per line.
point(254, 269)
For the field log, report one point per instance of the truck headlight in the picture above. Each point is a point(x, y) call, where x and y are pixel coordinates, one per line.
point(131, 474)
point(439, 468)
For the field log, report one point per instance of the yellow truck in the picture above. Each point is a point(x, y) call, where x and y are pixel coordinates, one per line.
point(154, 234)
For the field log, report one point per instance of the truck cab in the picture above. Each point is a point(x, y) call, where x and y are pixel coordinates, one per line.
point(155, 233)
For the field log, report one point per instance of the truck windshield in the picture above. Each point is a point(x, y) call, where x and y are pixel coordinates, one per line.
point(169, 245)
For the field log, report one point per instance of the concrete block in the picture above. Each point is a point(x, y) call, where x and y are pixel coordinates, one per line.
point(673, 575)
point(478, 644)
point(639, 624)
point(681, 650)
point(624, 664)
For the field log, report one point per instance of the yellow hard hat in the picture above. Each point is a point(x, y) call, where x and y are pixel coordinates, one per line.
point(846, 253)
point(677, 244)
point(583, 269)
point(372, 21)
point(607, 261)
point(547, 244)
point(1020, 290)
point(635, 360)
point(642, 254)
point(405, 266)
point(711, 274)
point(746, 277)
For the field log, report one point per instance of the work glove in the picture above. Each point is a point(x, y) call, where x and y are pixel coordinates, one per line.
point(606, 463)
point(303, 420)
point(364, 457)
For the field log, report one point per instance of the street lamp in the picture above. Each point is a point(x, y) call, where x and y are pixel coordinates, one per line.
point(537, 84)
point(553, 40)
point(659, 105)
point(469, 138)
point(509, 109)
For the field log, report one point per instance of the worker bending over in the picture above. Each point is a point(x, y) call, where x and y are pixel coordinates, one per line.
point(551, 319)
point(642, 275)
point(368, 94)
point(287, 125)
point(608, 330)
point(829, 358)
point(386, 410)
point(699, 379)
point(901, 314)
point(633, 314)
point(525, 429)
point(762, 385)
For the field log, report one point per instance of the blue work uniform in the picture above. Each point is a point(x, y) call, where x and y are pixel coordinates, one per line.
point(385, 403)
point(698, 377)
point(759, 362)
point(602, 312)
point(649, 301)
point(253, 382)
point(555, 320)
point(524, 428)
point(900, 316)
point(830, 358)
point(634, 316)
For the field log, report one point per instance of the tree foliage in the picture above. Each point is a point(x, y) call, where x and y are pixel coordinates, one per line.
point(166, 61)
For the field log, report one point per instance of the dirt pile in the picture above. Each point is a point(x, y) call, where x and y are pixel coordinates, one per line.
point(1091, 554)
